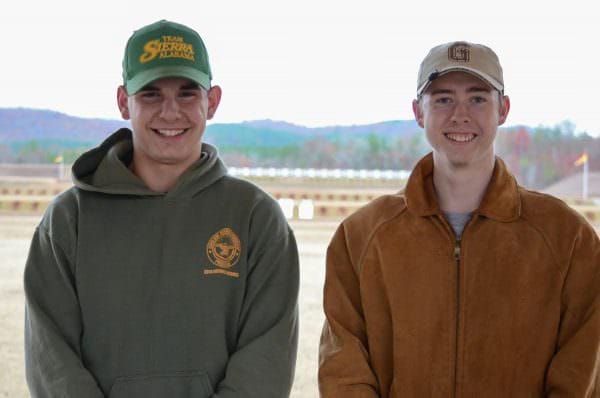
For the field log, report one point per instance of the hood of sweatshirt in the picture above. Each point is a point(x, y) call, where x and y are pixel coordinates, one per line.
point(105, 169)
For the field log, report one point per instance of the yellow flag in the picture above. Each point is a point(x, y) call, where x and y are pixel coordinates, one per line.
point(582, 159)
point(58, 159)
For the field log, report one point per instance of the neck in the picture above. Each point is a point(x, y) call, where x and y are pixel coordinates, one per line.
point(461, 189)
point(157, 177)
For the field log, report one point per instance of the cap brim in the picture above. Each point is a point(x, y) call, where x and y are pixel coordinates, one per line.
point(480, 75)
point(148, 76)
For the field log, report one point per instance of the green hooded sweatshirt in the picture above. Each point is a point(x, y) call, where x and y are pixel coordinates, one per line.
point(134, 293)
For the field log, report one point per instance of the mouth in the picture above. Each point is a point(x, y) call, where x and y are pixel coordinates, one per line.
point(169, 132)
point(460, 137)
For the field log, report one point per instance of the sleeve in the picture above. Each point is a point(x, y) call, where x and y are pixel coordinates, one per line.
point(575, 368)
point(263, 362)
point(344, 368)
point(53, 326)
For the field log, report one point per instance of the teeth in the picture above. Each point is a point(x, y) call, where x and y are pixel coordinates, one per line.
point(170, 133)
point(460, 137)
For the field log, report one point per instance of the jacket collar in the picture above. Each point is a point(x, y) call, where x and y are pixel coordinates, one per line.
point(501, 201)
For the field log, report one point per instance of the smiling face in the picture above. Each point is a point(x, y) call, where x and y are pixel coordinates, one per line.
point(460, 114)
point(168, 118)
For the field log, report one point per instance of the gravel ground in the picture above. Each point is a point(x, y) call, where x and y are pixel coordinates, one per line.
point(15, 234)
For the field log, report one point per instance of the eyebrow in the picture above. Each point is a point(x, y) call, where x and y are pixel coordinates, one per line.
point(190, 86)
point(187, 86)
point(149, 87)
point(473, 89)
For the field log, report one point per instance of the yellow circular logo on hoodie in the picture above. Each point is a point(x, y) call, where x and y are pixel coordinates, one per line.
point(223, 248)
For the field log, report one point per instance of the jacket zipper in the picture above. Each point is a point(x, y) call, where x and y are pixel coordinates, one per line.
point(457, 261)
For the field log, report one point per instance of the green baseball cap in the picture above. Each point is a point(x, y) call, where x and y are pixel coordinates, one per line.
point(164, 49)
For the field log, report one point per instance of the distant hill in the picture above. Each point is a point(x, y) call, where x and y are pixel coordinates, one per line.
point(23, 124)
point(537, 156)
point(19, 125)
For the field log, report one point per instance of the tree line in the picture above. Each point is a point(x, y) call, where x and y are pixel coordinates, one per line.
point(536, 156)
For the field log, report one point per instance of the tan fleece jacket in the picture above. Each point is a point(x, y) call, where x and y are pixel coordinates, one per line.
point(511, 310)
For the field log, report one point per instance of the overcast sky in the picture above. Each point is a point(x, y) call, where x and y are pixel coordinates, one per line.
point(308, 62)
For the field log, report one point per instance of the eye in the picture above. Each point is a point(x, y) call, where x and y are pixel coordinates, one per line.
point(149, 96)
point(189, 95)
point(443, 100)
point(478, 99)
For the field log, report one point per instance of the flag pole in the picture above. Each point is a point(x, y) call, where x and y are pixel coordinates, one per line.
point(585, 179)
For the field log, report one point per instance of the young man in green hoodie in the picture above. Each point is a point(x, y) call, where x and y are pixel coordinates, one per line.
point(157, 274)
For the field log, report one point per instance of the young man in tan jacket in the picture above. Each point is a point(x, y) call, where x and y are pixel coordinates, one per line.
point(464, 284)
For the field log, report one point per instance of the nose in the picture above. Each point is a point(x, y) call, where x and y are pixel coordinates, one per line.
point(461, 113)
point(170, 109)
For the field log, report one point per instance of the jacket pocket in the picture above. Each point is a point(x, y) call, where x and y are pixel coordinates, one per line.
point(163, 385)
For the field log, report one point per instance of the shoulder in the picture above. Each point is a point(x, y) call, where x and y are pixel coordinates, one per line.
point(376, 213)
point(359, 229)
point(60, 219)
point(243, 189)
point(559, 225)
point(263, 209)
point(62, 210)
point(547, 211)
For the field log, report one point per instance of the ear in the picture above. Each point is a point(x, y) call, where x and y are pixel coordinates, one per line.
point(504, 108)
point(214, 98)
point(122, 102)
point(418, 112)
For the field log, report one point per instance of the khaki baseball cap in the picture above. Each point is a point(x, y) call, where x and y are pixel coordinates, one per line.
point(462, 56)
point(164, 49)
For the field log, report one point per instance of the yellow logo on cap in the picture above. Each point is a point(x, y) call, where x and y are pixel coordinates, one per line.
point(223, 250)
point(167, 47)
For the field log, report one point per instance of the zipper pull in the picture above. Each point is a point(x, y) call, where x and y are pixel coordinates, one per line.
point(457, 250)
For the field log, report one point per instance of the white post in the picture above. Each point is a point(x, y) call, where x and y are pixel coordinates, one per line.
point(62, 167)
point(585, 179)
